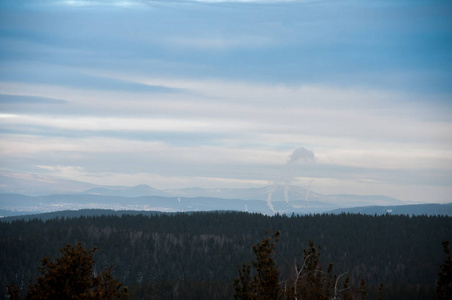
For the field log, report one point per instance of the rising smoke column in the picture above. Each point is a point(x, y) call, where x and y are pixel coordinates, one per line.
point(288, 173)
point(269, 197)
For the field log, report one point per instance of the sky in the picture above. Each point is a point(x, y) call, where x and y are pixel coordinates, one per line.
point(347, 97)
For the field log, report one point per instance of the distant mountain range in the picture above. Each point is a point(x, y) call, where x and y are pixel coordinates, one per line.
point(13, 204)
point(25, 194)
point(298, 196)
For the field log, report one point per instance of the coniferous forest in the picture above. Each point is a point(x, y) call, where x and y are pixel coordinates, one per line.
point(197, 255)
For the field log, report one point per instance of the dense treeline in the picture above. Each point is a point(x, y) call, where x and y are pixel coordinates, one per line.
point(194, 256)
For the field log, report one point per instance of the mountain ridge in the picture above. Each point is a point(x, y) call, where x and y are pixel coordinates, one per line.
point(73, 195)
point(409, 210)
point(15, 204)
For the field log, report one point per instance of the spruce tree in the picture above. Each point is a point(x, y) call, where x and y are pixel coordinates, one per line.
point(444, 283)
point(71, 276)
point(264, 284)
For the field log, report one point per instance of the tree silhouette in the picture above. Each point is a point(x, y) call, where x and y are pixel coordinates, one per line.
point(444, 283)
point(265, 282)
point(71, 276)
point(311, 281)
point(260, 280)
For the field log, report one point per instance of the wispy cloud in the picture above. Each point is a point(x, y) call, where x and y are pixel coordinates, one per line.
point(220, 43)
point(129, 3)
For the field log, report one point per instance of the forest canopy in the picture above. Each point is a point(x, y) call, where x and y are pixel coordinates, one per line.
point(196, 255)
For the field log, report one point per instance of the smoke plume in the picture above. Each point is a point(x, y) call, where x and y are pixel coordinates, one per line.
point(301, 154)
point(288, 173)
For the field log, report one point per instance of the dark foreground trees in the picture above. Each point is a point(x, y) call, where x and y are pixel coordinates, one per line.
point(261, 279)
point(71, 276)
point(444, 283)
point(195, 255)
point(265, 282)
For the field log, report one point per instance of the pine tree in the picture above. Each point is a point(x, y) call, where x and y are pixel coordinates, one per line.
point(265, 282)
point(310, 281)
point(260, 280)
point(71, 276)
point(444, 283)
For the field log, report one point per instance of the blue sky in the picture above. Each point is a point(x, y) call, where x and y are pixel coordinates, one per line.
point(221, 93)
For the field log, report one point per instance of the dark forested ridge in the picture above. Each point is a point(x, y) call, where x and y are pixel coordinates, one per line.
point(195, 256)
point(432, 209)
point(80, 213)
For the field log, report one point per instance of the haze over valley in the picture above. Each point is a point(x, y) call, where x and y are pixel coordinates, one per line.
point(27, 194)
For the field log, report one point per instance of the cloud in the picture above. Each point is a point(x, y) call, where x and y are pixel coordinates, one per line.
point(104, 159)
point(133, 3)
point(21, 99)
point(220, 43)
point(301, 154)
point(226, 107)
point(47, 74)
point(95, 3)
point(217, 93)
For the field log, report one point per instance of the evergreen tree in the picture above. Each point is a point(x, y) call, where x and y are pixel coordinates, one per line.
point(309, 281)
point(265, 282)
point(444, 283)
point(71, 276)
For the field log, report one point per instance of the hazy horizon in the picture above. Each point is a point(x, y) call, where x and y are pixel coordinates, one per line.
point(339, 97)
